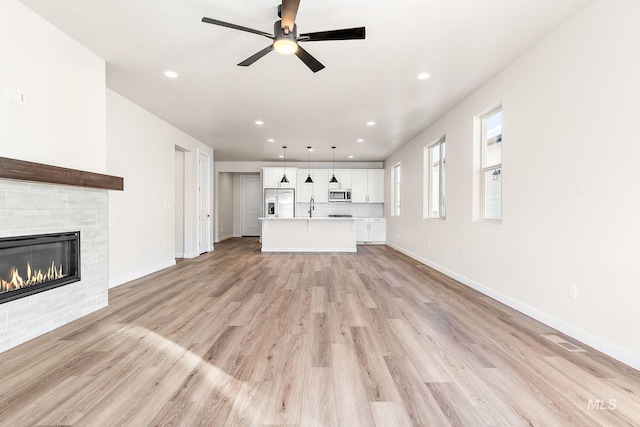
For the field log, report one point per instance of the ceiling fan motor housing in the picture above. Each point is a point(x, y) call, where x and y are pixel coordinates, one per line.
point(279, 32)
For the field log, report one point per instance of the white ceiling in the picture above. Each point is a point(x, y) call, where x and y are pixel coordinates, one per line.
point(461, 43)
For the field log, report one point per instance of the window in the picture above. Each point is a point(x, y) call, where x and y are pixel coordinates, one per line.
point(434, 156)
point(396, 188)
point(492, 165)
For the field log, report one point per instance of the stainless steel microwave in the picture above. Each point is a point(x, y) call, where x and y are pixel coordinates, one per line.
point(339, 195)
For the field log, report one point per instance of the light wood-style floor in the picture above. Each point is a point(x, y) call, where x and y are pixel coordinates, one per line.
point(236, 337)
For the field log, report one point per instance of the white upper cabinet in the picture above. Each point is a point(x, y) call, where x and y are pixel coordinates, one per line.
point(319, 189)
point(375, 185)
point(344, 179)
point(367, 186)
point(320, 185)
point(272, 176)
point(359, 191)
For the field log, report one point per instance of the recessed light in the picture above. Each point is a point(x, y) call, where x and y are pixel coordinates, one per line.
point(271, 140)
point(259, 122)
point(281, 156)
point(351, 157)
point(360, 140)
point(423, 76)
point(171, 74)
point(371, 123)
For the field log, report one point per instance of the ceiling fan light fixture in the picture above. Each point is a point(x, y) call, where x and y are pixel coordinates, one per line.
point(285, 46)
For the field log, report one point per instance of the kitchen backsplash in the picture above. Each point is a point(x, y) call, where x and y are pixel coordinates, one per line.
point(359, 210)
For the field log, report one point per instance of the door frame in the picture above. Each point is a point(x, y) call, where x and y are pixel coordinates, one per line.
point(206, 187)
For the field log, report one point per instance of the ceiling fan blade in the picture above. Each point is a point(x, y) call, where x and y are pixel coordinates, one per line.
point(309, 60)
point(236, 27)
point(250, 60)
point(345, 34)
point(289, 12)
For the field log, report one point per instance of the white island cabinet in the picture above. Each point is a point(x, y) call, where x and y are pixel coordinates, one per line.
point(308, 234)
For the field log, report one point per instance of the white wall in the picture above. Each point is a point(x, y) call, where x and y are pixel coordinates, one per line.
point(61, 124)
point(141, 148)
point(571, 211)
point(63, 120)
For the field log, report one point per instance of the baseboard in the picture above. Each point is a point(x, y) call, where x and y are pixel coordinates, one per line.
point(220, 239)
point(612, 350)
point(140, 273)
point(188, 255)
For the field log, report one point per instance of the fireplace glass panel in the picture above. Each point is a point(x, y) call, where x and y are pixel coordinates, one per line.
point(32, 264)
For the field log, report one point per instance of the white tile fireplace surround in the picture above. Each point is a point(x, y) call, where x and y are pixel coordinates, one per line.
point(38, 208)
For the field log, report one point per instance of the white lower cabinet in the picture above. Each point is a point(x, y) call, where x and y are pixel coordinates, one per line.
point(371, 230)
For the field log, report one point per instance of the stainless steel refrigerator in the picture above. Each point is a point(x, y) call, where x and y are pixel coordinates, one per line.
point(279, 202)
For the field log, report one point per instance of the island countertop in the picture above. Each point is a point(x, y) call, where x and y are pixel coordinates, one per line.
point(304, 234)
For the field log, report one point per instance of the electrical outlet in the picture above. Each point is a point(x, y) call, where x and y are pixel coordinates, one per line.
point(14, 95)
point(573, 291)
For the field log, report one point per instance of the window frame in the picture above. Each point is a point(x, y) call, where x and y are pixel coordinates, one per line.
point(428, 170)
point(485, 167)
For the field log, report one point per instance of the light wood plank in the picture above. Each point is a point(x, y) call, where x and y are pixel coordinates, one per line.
point(237, 337)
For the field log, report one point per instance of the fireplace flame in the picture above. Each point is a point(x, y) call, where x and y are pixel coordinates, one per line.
point(33, 277)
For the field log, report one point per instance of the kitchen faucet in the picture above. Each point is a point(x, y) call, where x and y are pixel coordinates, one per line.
point(312, 207)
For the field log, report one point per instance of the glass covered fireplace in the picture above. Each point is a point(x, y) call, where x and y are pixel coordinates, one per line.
point(32, 264)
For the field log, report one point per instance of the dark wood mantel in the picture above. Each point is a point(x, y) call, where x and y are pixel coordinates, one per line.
point(29, 171)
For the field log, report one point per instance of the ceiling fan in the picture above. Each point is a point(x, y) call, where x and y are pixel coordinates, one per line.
point(285, 36)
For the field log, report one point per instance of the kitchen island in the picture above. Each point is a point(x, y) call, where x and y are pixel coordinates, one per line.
point(321, 234)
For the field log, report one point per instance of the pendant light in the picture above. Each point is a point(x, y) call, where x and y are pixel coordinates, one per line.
point(284, 179)
point(333, 179)
point(309, 180)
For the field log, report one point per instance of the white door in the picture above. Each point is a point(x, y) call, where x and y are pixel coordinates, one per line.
point(251, 195)
point(204, 216)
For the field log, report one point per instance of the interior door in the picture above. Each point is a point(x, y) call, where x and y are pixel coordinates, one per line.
point(204, 215)
point(251, 201)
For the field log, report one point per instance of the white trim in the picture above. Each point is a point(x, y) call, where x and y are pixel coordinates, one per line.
point(199, 209)
point(140, 273)
point(612, 350)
